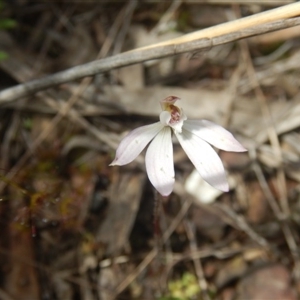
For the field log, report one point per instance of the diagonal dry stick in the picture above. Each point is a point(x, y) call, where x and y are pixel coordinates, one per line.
point(191, 234)
point(267, 21)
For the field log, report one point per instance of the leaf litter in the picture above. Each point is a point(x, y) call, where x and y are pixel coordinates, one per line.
point(74, 228)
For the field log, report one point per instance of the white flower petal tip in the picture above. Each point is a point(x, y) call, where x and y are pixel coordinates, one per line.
point(218, 181)
point(200, 189)
point(215, 178)
point(224, 187)
point(165, 191)
point(134, 143)
point(241, 149)
point(115, 162)
point(214, 134)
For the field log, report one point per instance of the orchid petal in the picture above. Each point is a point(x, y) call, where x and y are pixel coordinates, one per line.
point(159, 162)
point(134, 143)
point(204, 158)
point(214, 134)
point(165, 117)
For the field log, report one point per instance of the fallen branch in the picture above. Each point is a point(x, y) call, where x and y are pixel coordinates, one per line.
point(264, 22)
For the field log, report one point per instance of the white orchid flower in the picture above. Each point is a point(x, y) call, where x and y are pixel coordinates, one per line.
point(193, 135)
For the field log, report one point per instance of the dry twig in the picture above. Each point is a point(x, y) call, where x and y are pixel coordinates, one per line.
point(268, 21)
point(190, 231)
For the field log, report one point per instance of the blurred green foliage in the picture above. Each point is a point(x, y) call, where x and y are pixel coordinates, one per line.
point(5, 24)
point(185, 288)
point(3, 55)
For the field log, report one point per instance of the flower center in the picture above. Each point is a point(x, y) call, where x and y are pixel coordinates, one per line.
point(172, 115)
point(175, 114)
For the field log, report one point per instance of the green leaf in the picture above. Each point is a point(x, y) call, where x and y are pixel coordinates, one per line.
point(7, 23)
point(3, 55)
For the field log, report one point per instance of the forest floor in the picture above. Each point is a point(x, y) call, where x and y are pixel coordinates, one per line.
point(75, 228)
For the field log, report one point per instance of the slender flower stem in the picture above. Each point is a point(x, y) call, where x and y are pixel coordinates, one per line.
point(156, 224)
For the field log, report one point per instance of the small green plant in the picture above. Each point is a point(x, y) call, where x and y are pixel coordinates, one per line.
point(185, 288)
